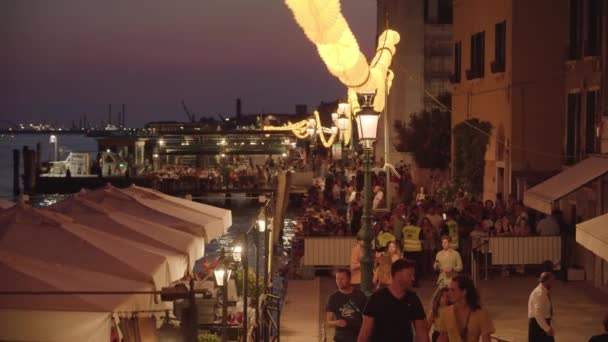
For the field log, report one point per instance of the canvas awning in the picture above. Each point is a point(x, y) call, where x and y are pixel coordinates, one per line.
point(215, 220)
point(73, 317)
point(22, 273)
point(120, 202)
point(543, 196)
point(132, 227)
point(50, 236)
point(593, 235)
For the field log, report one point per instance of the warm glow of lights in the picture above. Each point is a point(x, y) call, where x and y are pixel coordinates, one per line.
point(324, 25)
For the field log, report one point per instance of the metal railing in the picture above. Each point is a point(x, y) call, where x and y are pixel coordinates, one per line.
point(271, 306)
point(475, 252)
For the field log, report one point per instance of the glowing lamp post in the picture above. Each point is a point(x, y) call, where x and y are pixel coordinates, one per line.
point(367, 125)
point(53, 140)
point(237, 252)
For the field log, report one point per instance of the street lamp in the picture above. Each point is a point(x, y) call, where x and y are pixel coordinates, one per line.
point(53, 140)
point(261, 223)
point(222, 275)
point(367, 124)
point(240, 255)
point(237, 252)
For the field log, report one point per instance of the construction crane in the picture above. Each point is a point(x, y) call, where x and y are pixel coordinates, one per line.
point(191, 117)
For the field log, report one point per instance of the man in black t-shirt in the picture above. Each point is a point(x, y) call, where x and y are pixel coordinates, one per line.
point(344, 308)
point(391, 311)
point(604, 336)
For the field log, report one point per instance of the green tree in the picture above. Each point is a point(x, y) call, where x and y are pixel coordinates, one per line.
point(251, 285)
point(471, 139)
point(427, 137)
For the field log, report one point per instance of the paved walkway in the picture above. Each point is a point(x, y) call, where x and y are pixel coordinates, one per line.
point(579, 308)
point(300, 314)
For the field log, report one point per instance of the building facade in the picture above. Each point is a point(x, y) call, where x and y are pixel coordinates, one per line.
point(508, 71)
point(422, 61)
point(580, 191)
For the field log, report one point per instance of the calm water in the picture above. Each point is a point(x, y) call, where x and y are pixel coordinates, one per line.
point(66, 143)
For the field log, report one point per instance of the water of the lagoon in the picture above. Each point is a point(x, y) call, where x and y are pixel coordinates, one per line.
point(244, 210)
point(66, 143)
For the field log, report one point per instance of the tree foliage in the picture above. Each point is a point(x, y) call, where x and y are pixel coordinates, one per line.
point(427, 137)
point(471, 139)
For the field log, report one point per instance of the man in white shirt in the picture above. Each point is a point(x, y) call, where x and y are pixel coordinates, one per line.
point(448, 262)
point(378, 197)
point(540, 310)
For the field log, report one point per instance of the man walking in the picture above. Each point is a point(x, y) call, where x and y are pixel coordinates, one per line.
point(447, 262)
point(392, 311)
point(540, 311)
point(344, 308)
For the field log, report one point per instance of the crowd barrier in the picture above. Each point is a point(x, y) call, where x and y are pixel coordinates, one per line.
point(327, 251)
point(532, 250)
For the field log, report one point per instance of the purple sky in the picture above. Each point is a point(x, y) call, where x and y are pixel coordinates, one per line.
point(64, 58)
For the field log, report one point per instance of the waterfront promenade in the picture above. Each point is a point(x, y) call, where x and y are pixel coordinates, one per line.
point(301, 310)
point(579, 308)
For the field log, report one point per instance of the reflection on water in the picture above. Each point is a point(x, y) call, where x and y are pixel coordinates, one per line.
point(244, 215)
point(41, 201)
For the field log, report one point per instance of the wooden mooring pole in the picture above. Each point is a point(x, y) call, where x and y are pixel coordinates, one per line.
point(16, 189)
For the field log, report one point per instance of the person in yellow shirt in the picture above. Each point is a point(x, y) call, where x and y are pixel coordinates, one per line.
point(384, 237)
point(464, 320)
point(412, 245)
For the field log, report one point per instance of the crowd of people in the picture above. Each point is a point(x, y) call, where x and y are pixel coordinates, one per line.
point(231, 173)
point(394, 312)
point(417, 220)
point(419, 236)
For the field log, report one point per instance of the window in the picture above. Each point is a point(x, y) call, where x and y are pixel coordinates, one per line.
point(574, 48)
point(593, 42)
point(572, 128)
point(457, 62)
point(438, 12)
point(591, 122)
point(477, 56)
point(500, 46)
point(445, 15)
